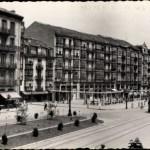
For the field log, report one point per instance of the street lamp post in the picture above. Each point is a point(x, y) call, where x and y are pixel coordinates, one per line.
point(69, 111)
point(31, 92)
point(148, 94)
point(126, 98)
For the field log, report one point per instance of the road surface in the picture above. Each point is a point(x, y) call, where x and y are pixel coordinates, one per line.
point(119, 127)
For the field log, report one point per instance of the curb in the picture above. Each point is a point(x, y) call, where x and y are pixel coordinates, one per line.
point(41, 129)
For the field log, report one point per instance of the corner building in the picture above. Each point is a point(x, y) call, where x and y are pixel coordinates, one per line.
point(88, 63)
point(11, 31)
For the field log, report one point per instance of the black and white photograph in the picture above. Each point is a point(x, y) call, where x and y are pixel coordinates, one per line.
point(75, 75)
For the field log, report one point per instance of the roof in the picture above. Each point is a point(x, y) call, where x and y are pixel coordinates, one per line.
point(10, 13)
point(116, 42)
point(42, 32)
point(35, 42)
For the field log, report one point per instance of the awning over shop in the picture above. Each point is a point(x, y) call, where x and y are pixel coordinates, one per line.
point(10, 95)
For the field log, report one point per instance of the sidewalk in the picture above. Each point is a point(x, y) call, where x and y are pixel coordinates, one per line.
point(8, 115)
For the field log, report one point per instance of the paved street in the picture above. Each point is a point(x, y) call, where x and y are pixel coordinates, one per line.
point(119, 127)
point(8, 115)
point(115, 134)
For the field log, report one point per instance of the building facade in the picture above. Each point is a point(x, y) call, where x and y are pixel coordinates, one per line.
point(11, 29)
point(89, 63)
point(36, 70)
point(145, 67)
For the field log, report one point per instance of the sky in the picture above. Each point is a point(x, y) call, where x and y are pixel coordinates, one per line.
point(128, 21)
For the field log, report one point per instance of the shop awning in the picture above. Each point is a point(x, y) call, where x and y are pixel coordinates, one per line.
point(11, 95)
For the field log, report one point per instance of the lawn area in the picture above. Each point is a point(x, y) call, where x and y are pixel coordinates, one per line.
point(44, 134)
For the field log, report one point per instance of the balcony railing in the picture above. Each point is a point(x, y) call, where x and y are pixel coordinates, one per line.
point(39, 89)
point(7, 83)
point(68, 56)
point(39, 55)
point(8, 47)
point(28, 88)
point(89, 69)
point(8, 65)
point(67, 67)
point(4, 31)
point(40, 78)
point(28, 78)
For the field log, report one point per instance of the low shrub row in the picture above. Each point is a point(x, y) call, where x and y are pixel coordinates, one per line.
point(35, 132)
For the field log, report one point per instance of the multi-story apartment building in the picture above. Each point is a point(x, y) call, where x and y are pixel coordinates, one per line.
point(145, 66)
point(148, 68)
point(36, 70)
point(89, 63)
point(11, 29)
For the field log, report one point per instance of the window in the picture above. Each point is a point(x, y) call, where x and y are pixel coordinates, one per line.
point(66, 53)
point(58, 75)
point(59, 63)
point(3, 59)
point(70, 43)
point(2, 75)
point(39, 60)
point(11, 76)
point(67, 41)
point(64, 41)
point(66, 64)
point(76, 53)
point(3, 41)
point(89, 77)
point(59, 40)
point(33, 50)
point(43, 52)
point(77, 43)
point(11, 59)
point(12, 28)
point(12, 41)
point(59, 51)
point(4, 25)
point(83, 54)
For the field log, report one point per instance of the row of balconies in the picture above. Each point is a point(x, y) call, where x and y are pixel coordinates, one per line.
point(30, 77)
point(135, 69)
point(69, 46)
point(39, 55)
point(29, 89)
point(7, 83)
point(8, 66)
point(8, 47)
point(6, 31)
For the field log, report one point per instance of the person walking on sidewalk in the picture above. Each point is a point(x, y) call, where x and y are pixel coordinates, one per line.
point(45, 106)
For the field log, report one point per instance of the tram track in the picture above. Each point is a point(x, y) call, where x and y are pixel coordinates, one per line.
point(57, 142)
point(98, 133)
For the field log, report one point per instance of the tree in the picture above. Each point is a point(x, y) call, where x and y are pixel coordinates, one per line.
point(21, 116)
point(149, 106)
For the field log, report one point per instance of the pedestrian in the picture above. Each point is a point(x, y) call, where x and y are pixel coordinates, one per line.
point(132, 105)
point(87, 103)
point(45, 106)
point(99, 105)
point(141, 105)
point(57, 112)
